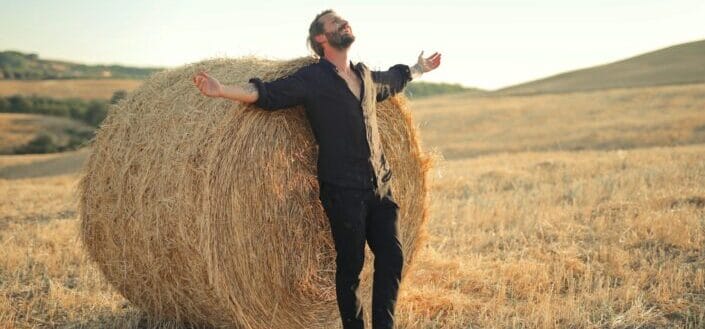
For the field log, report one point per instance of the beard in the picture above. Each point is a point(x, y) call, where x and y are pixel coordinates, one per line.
point(340, 41)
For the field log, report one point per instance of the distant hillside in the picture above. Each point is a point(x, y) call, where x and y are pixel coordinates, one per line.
point(424, 89)
point(86, 89)
point(462, 126)
point(26, 74)
point(679, 64)
point(32, 133)
point(15, 65)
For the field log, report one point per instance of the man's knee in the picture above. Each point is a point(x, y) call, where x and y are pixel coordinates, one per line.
point(391, 258)
point(351, 263)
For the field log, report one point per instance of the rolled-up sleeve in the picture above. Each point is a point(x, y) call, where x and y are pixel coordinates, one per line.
point(392, 81)
point(281, 93)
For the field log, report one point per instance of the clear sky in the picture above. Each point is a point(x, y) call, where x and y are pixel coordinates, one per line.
point(485, 43)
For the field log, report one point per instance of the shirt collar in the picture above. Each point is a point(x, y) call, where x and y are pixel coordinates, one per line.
point(332, 66)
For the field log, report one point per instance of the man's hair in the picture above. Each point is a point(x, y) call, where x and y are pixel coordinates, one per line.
point(315, 29)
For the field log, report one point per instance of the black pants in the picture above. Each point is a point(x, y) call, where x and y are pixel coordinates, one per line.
point(357, 216)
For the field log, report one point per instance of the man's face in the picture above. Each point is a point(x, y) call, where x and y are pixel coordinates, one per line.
point(337, 31)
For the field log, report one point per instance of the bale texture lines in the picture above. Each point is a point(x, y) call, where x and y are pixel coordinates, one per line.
point(206, 211)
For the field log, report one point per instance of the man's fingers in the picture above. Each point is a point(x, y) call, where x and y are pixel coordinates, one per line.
point(436, 60)
point(201, 74)
point(197, 78)
point(201, 81)
point(432, 62)
point(204, 82)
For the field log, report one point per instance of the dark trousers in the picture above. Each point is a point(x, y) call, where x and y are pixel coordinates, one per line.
point(357, 216)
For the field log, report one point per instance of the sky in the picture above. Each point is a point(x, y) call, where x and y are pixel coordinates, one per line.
point(485, 44)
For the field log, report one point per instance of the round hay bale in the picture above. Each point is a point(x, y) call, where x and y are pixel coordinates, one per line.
point(206, 211)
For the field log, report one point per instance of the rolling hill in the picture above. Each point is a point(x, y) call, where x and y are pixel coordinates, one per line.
point(86, 89)
point(678, 64)
point(26, 74)
point(463, 126)
point(19, 129)
point(15, 65)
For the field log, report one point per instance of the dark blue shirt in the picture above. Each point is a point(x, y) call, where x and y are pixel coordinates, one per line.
point(335, 115)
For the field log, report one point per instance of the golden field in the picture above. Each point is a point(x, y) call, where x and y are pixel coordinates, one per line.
point(462, 126)
point(70, 88)
point(578, 210)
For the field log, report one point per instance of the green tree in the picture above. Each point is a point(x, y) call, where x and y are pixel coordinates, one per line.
point(19, 104)
point(117, 96)
point(75, 112)
point(96, 112)
point(44, 143)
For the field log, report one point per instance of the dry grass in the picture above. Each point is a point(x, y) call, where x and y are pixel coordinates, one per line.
point(463, 126)
point(596, 238)
point(42, 165)
point(533, 240)
point(79, 88)
point(566, 240)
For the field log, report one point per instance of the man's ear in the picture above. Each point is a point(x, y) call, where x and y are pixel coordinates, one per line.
point(321, 38)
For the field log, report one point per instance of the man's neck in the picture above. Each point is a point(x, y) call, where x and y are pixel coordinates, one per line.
point(339, 58)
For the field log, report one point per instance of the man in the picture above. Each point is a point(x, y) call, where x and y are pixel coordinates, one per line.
point(353, 174)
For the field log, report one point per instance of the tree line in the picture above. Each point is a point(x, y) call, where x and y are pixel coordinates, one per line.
point(15, 65)
point(92, 112)
point(417, 89)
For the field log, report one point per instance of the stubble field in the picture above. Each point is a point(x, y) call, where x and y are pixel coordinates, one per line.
point(582, 210)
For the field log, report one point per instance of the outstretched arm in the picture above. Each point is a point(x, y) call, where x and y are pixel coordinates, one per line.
point(211, 87)
point(394, 80)
point(282, 93)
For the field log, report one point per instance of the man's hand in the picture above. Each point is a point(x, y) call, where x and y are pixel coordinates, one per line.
point(208, 85)
point(424, 65)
